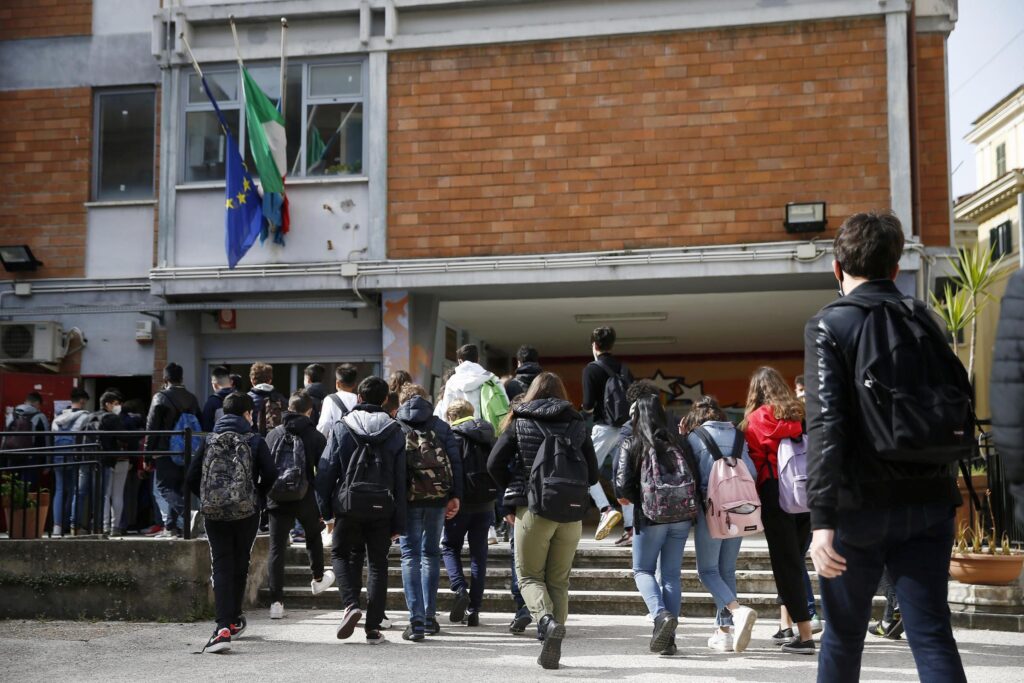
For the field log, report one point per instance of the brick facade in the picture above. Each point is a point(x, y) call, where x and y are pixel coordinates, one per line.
point(675, 139)
point(45, 18)
point(932, 140)
point(44, 158)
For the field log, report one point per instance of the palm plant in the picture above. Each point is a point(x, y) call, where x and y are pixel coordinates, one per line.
point(955, 310)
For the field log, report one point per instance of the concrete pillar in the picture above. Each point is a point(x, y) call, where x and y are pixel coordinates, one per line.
point(408, 330)
point(184, 348)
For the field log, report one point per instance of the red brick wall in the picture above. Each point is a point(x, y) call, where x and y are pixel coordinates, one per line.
point(44, 18)
point(45, 141)
point(634, 141)
point(932, 140)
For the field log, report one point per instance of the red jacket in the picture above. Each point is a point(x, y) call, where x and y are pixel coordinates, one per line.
point(764, 432)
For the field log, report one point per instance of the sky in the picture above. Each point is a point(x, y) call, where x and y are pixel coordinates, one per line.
point(986, 62)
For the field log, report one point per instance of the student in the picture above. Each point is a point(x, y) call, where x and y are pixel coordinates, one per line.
point(658, 545)
point(220, 382)
point(284, 442)
point(133, 418)
point(435, 492)
point(68, 506)
point(716, 558)
point(527, 368)
point(361, 531)
point(467, 383)
point(167, 407)
point(27, 417)
point(338, 404)
point(228, 500)
point(268, 403)
point(313, 382)
point(799, 388)
point(507, 511)
point(475, 438)
point(116, 470)
point(605, 433)
point(544, 548)
point(877, 503)
point(774, 413)
point(397, 380)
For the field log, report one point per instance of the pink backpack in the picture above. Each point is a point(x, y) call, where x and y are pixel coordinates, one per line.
point(732, 506)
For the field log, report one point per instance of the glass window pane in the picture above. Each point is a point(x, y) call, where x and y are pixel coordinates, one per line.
point(125, 146)
point(223, 85)
point(335, 140)
point(268, 78)
point(205, 145)
point(337, 80)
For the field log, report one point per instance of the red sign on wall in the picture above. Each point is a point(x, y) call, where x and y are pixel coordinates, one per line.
point(226, 319)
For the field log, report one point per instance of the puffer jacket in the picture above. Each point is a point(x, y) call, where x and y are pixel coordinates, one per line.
point(843, 472)
point(417, 413)
point(512, 458)
point(1007, 389)
point(313, 444)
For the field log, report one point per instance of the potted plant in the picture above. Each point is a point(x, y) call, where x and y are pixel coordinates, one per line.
point(978, 559)
point(26, 509)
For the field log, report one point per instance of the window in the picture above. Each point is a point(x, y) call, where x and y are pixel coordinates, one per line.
point(125, 144)
point(1000, 159)
point(323, 118)
point(1000, 239)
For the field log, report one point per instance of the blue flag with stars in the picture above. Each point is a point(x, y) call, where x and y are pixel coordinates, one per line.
point(243, 205)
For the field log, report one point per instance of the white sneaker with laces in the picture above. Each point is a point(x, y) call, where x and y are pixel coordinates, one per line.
point(743, 619)
point(492, 536)
point(323, 584)
point(385, 623)
point(720, 642)
point(277, 610)
point(609, 520)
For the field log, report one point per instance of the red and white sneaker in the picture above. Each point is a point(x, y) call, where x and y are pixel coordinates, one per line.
point(220, 641)
point(238, 628)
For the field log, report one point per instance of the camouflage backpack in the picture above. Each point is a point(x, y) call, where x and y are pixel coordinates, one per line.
point(429, 469)
point(227, 491)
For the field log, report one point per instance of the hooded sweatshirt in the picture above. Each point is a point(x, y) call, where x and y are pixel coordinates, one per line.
point(473, 433)
point(464, 384)
point(263, 472)
point(416, 413)
point(313, 443)
point(370, 424)
point(214, 403)
point(39, 424)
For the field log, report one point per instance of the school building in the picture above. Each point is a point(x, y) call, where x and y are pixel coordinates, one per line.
point(466, 170)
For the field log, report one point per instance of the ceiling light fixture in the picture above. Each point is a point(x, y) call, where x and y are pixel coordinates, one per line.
point(588, 318)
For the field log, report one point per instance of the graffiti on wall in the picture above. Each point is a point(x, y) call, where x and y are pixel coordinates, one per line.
point(399, 352)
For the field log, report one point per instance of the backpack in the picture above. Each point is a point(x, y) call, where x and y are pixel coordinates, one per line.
point(913, 394)
point(616, 407)
point(227, 491)
point(184, 421)
point(292, 483)
point(478, 486)
point(64, 437)
point(494, 404)
point(429, 469)
point(668, 496)
point(558, 488)
point(364, 492)
point(20, 423)
point(732, 507)
point(792, 458)
point(267, 411)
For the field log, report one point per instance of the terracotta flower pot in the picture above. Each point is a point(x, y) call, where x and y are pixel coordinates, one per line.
point(985, 570)
point(28, 522)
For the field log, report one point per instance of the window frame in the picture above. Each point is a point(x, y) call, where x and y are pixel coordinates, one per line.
point(95, 156)
point(1000, 237)
point(307, 100)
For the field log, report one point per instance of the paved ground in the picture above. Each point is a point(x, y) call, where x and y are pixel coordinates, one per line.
point(303, 648)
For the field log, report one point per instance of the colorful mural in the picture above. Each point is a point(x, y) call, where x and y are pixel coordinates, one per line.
point(398, 351)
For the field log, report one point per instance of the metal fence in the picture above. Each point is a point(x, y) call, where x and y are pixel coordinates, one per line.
point(997, 508)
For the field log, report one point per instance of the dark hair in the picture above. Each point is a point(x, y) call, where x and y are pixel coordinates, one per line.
point(174, 373)
point(527, 354)
point(300, 402)
point(315, 372)
point(705, 409)
point(111, 396)
point(869, 245)
point(641, 387)
point(373, 390)
point(603, 338)
point(346, 373)
point(134, 406)
point(34, 397)
point(445, 376)
point(391, 404)
point(236, 380)
point(261, 373)
point(79, 394)
point(398, 379)
point(651, 434)
point(468, 352)
point(238, 404)
point(220, 372)
point(800, 380)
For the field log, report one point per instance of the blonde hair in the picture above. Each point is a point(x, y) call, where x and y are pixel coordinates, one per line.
point(769, 387)
point(409, 390)
point(458, 409)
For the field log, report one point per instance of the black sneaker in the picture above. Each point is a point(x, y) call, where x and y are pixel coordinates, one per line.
point(799, 647)
point(414, 632)
point(520, 621)
point(238, 628)
point(551, 650)
point(782, 635)
point(664, 629)
point(348, 622)
point(473, 619)
point(375, 637)
point(895, 628)
point(220, 641)
point(671, 649)
point(458, 612)
point(432, 628)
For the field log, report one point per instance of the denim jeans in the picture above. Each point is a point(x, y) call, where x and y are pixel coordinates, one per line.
point(169, 481)
point(475, 525)
point(716, 567)
point(665, 543)
point(421, 560)
point(65, 482)
point(82, 504)
point(606, 440)
point(913, 543)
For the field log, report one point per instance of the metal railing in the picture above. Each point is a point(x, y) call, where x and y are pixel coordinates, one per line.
point(21, 473)
point(997, 508)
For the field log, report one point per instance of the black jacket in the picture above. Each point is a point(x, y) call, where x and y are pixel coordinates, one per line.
point(512, 457)
point(520, 384)
point(214, 402)
point(263, 472)
point(313, 443)
point(1007, 389)
point(375, 426)
point(843, 473)
point(167, 405)
point(418, 413)
point(480, 433)
point(595, 377)
point(318, 393)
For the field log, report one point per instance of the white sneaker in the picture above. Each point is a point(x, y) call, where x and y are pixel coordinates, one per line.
point(815, 624)
point(743, 620)
point(277, 610)
point(323, 584)
point(385, 623)
point(492, 536)
point(609, 520)
point(720, 642)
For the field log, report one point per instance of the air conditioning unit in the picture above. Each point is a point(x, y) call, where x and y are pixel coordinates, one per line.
point(31, 342)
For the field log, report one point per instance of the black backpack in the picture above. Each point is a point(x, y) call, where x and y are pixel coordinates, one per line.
point(365, 488)
point(292, 483)
point(616, 407)
point(559, 486)
point(913, 393)
point(478, 486)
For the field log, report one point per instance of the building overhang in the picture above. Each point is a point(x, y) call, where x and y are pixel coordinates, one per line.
point(991, 199)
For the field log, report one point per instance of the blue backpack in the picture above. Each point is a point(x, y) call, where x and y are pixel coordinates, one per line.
point(184, 421)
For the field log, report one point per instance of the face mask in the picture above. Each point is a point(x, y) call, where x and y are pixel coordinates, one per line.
point(116, 410)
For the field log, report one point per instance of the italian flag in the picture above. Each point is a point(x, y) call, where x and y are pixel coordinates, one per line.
point(268, 144)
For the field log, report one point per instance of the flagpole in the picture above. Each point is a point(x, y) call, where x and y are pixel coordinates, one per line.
point(284, 62)
point(188, 49)
point(234, 34)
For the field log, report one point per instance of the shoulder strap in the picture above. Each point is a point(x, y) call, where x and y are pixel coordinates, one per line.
point(737, 446)
point(608, 371)
point(336, 400)
point(712, 446)
point(167, 395)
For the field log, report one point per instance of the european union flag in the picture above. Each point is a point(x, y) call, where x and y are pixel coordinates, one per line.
point(243, 205)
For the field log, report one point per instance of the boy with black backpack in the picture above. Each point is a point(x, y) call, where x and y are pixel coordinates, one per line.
point(360, 482)
point(434, 476)
point(231, 466)
point(889, 415)
point(295, 447)
point(268, 404)
point(476, 512)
